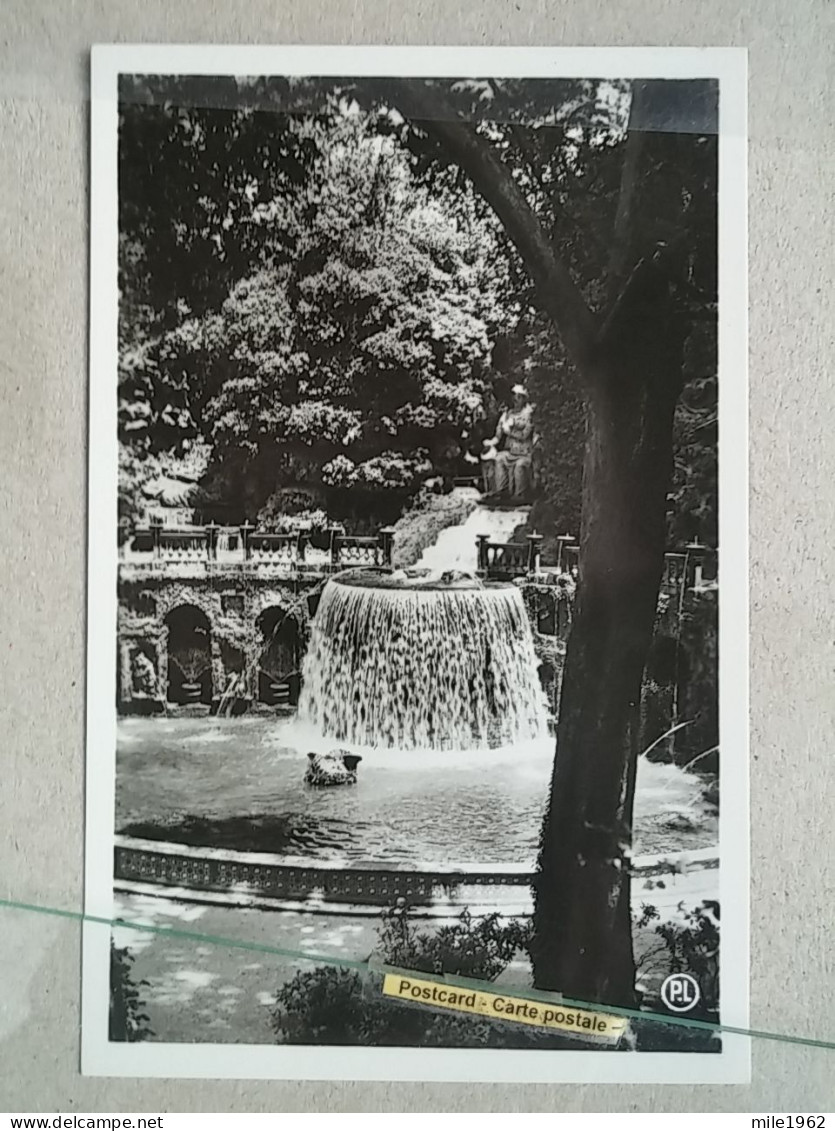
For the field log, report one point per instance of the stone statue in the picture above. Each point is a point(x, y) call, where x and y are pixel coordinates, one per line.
point(143, 676)
point(335, 768)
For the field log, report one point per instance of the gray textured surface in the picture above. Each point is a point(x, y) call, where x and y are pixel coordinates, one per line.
point(43, 379)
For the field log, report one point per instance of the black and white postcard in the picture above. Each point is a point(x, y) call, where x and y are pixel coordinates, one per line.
point(417, 571)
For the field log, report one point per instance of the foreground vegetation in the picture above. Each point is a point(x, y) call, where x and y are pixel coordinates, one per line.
point(333, 1005)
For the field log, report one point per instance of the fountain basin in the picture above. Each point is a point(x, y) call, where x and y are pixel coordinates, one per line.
point(417, 578)
point(233, 785)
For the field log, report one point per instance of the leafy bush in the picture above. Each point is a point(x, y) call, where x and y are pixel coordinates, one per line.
point(339, 472)
point(288, 501)
point(136, 468)
point(292, 510)
point(128, 1020)
point(330, 1005)
point(689, 945)
point(392, 469)
point(308, 522)
point(693, 947)
point(192, 662)
point(322, 1006)
point(469, 948)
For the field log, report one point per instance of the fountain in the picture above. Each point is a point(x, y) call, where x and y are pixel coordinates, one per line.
point(421, 660)
point(427, 678)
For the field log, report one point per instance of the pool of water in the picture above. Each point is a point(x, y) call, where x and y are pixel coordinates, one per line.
point(238, 783)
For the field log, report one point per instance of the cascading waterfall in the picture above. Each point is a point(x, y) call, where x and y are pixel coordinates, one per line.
point(415, 666)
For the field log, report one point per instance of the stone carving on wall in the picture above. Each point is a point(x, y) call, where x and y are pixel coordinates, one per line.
point(143, 675)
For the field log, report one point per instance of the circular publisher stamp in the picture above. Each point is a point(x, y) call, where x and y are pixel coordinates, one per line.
point(680, 992)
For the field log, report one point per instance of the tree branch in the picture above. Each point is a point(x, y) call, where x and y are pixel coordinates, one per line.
point(649, 288)
point(629, 180)
point(493, 180)
point(629, 269)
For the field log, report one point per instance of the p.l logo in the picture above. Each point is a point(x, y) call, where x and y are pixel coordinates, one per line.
point(680, 992)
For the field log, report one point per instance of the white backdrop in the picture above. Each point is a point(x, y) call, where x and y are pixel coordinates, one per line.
point(44, 115)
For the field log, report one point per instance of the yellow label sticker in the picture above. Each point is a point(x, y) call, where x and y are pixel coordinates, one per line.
point(503, 1007)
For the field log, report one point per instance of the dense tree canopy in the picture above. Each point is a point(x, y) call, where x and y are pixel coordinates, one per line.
point(312, 291)
point(362, 360)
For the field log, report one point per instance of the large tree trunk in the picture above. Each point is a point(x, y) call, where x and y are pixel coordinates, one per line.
point(630, 372)
point(583, 936)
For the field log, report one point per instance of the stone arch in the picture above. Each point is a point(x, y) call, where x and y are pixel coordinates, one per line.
point(173, 595)
point(189, 655)
point(274, 596)
point(312, 602)
point(281, 647)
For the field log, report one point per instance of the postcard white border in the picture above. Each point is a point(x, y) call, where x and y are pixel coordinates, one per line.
point(99, 1057)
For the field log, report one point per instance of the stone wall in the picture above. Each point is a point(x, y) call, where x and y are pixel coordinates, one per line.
point(679, 706)
point(681, 674)
point(231, 606)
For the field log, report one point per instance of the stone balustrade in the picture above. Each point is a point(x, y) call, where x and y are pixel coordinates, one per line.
point(504, 561)
point(331, 550)
point(240, 586)
point(157, 546)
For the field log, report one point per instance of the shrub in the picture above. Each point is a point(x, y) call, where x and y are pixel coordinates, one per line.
point(693, 947)
point(330, 1005)
point(128, 1020)
point(322, 1006)
point(290, 509)
point(689, 945)
point(468, 948)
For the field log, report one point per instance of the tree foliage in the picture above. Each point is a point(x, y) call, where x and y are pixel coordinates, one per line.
point(361, 361)
point(310, 283)
point(368, 356)
point(128, 1020)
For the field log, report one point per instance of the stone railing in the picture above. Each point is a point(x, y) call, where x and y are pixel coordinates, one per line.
point(344, 887)
point(254, 875)
point(504, 561)
point(693, 566)
point(347, 551)
point(507, 561)
point(329, 549)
